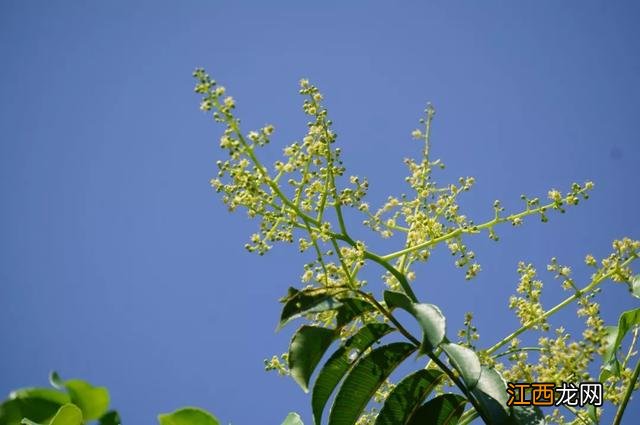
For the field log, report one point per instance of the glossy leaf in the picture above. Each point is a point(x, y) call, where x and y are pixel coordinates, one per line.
point(68, 414)
point(36, 409)
point(395, 299)
point(56, 381)
point(491, 392)
point(48, 394)
point(93, 401)
point(407, 396)
point(188, 416)
point(305, 351)
point(445, 409)
point(341, 361)
point(465, 361)
point(364, 379)
point(110, 418)
point(291, 292)
point(293, 419)
point(429, 316)
point(615, 335)
point(610, 364)
point(35, 404)
point(350, 309)
point(301, 303)
point(626, 322)
point(527, 415)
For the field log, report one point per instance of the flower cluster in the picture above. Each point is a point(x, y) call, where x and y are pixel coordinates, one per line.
point(303, 198)
point(469, 333)
point(528, 307)
point(309, 168)
point(560, 358)
point(278, 364)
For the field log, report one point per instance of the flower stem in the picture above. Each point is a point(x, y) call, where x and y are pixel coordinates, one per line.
point(472, 229)
point(590, 287)
point(433, 356)
point(627, 395)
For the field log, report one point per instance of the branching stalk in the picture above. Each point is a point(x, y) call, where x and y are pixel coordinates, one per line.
point(627, 395)
point(587, 289)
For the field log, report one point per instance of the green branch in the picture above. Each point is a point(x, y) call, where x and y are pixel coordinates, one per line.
point(590, 287)
point(627, 395)
point(474, 229)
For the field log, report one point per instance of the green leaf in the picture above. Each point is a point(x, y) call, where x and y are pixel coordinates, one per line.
point(37, 409)
point(350, 309)
point(445, 409)
point(615, 335)
point(36, 404)
point(341, 361)
point(68, 414)
point(610, 343)
point(610, 364)
point(110, 418)
point(593, 415)
point(465, 361)
point(305, 351)
point(56, 381)
point(406, 397)
point(364, 379)
point(188, 416)
point(626, 321)
point(291, 292)
point(527, 415)
point(93, 401)
point(491, 392)
point(429, 316)
point(395, 299)
point(301, 303)
point(48, 394)
point(293, 419)
point(634, 286)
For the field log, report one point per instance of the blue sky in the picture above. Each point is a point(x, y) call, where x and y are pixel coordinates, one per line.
point(118, 263)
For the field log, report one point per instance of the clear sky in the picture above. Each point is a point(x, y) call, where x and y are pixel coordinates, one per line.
point(120, 265)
